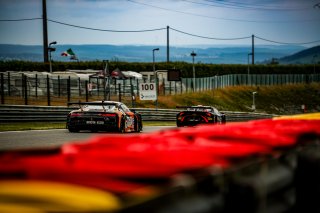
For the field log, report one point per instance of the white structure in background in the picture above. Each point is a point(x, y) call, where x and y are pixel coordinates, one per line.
point(36, 82)
point(77, 81)
point(131, 74)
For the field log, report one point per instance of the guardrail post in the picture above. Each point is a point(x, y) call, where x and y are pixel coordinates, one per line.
point(48, 91)
point(2, 89)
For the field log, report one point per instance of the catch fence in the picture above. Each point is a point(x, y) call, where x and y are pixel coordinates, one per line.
point(28, 87)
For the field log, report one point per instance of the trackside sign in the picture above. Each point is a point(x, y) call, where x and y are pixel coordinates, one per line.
point(147, 91)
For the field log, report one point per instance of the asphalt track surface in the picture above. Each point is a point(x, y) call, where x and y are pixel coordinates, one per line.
point(13, 140)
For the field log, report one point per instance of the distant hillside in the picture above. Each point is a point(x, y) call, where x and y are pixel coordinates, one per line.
point(135, 53)
point(308, 56)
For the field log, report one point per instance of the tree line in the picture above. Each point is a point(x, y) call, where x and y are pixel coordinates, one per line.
point(202, 70)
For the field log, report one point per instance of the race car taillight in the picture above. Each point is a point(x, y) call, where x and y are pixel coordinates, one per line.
point(107, 115)
point(75, 114)
point(180, 115)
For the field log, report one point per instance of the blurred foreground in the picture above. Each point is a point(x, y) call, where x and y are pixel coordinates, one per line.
point(268, 165)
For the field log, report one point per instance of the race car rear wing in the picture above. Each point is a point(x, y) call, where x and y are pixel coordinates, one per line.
point(195, 107)
point(200, 108)
point(102, 103)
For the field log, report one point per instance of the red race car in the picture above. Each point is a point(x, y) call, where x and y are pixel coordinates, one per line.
point(103, 116)
point(193, 115)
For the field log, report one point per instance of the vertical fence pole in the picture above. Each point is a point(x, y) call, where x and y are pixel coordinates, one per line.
point(79, 83)
point(36, 85)
point(137, 86)
point(98, 87)
point(59, 86)
point(68, 89)
point(175, 87)
point(124, 86)
point(164, 86)
point(24, 83)
point(119, 87)
point(132, 94)
point(115, 85)
point(2, 88)
point(48, 91)
point(87, 95)
point(131, 87)
point(9, 84)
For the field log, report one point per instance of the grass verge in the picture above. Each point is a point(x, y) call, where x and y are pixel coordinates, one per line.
point(44, 126)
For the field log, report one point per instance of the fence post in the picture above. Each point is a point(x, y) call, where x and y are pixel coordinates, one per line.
point(87, 95)
point(68, 89)
point(9, 88)
point(59, 86)
point(175, 87)
point(24, 84)
point(79, 83)
point(119, 87)
point(36, 86)
point(48, 90)
point(132, 94)
point(2, 88)
point(115, 86)
point(164, 86)
point(98, 87)
point(124, 86)
point(137, 86)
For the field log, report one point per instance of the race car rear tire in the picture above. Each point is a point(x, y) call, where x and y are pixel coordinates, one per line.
point(122, 125)
point(138, 124)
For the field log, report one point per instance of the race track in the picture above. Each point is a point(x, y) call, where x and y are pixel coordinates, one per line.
point(53, 138)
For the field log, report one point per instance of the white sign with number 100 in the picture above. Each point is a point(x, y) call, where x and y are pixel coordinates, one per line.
point(147, 91)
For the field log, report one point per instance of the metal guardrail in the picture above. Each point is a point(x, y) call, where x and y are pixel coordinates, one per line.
point(28, 113)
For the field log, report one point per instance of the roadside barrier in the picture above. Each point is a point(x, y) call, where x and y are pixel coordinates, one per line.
point(268, 165)
point(28, 113)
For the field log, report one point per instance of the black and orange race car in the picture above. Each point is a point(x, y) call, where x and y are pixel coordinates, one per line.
point(103, 116)
point(193, 115)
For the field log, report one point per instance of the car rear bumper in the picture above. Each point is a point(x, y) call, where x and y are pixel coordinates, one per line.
point(86, 124)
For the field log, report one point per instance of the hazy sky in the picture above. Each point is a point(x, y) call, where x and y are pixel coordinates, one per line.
point(287, 21)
